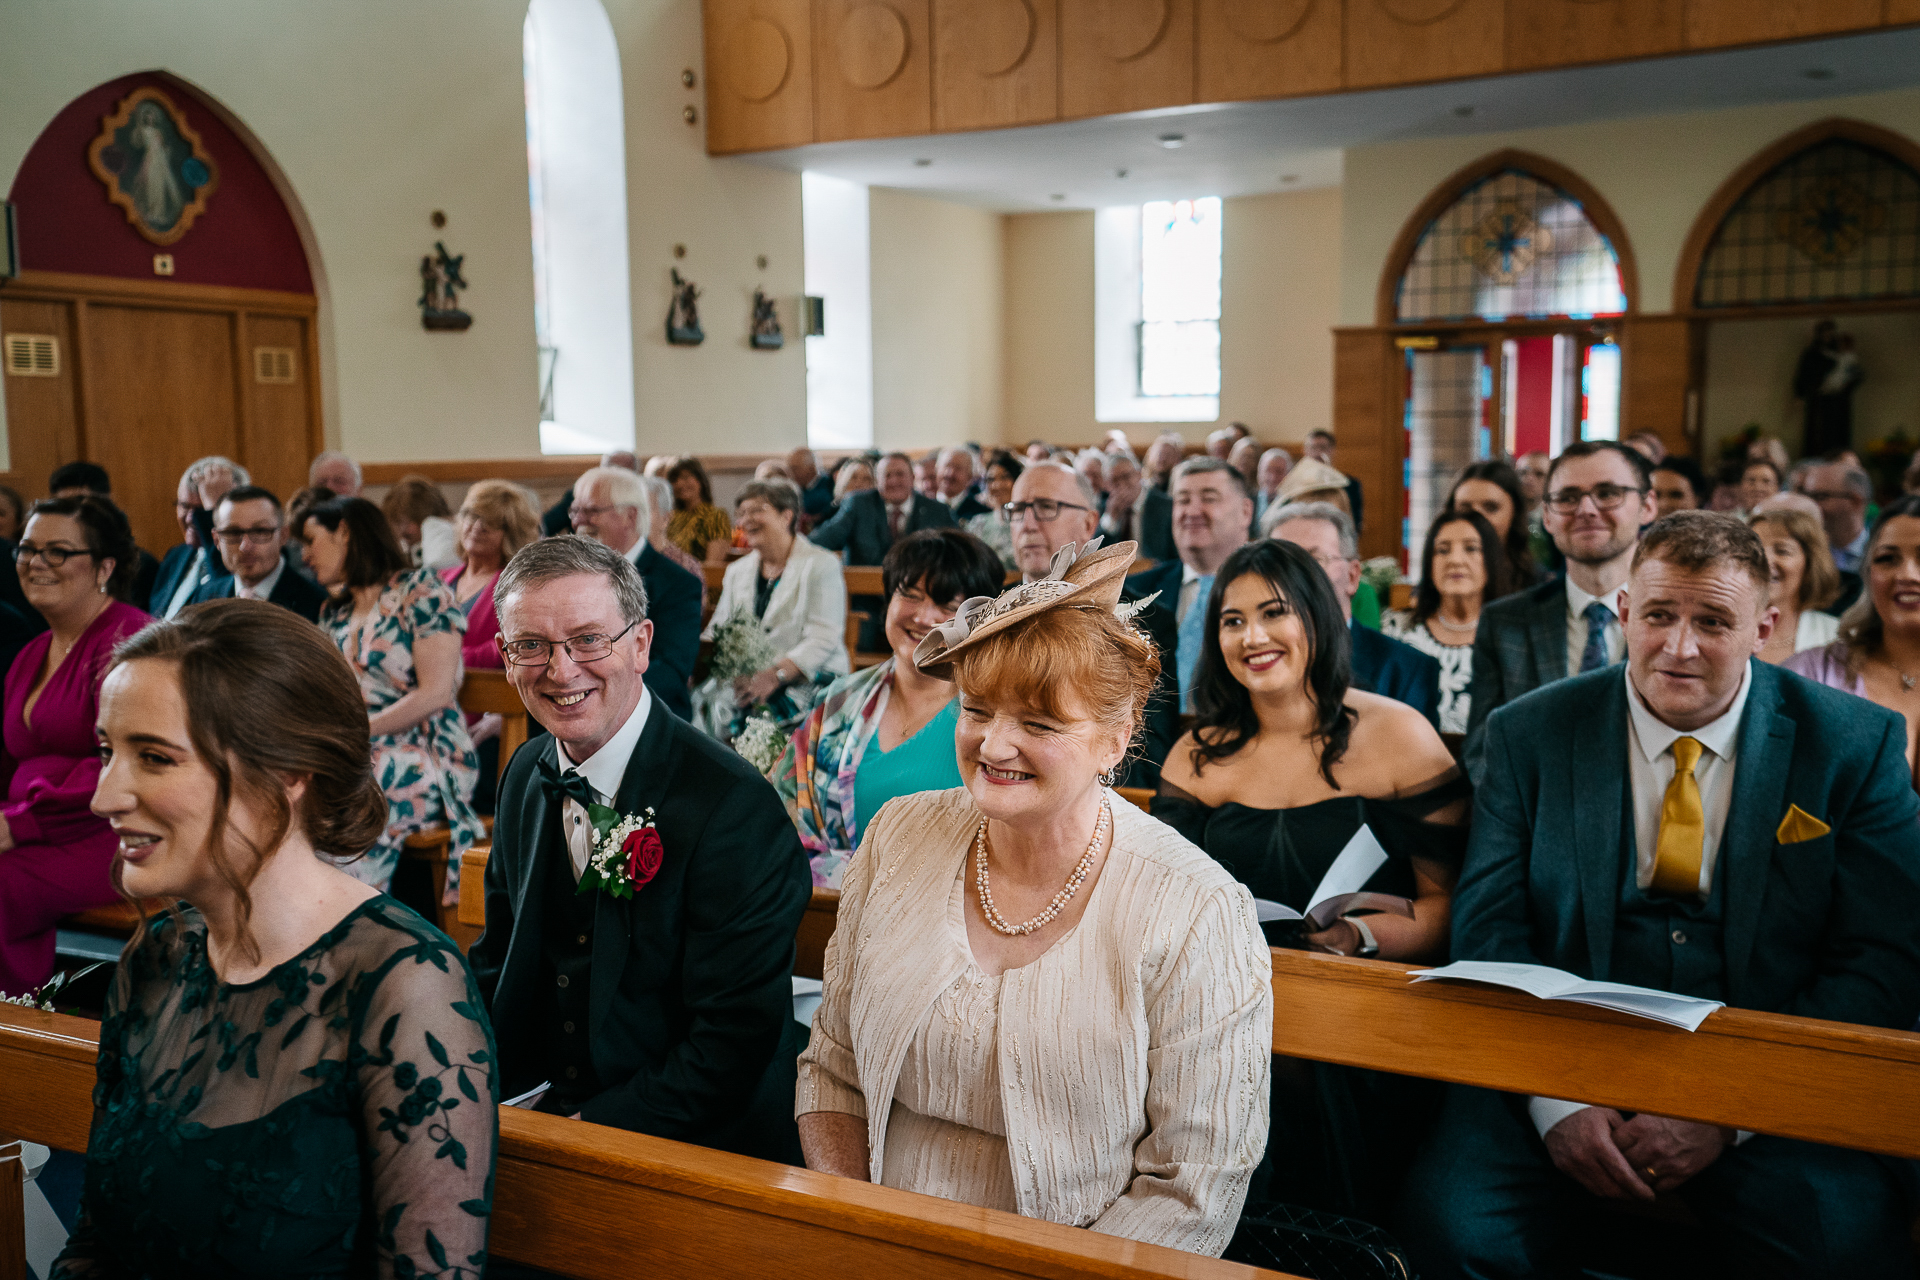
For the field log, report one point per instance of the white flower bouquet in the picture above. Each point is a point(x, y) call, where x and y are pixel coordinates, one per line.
point(741, 647)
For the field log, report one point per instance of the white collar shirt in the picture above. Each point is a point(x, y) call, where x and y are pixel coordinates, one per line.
point(1577, 602)
point(1848, 557)
point(188, 581)
point(1650, 769)
point(603, 771)
point(262, 589)
point(635, 551)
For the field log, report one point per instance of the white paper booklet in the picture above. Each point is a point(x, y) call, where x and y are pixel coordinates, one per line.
point(1339, 889)
point(1547, 983)
point(531, 1098)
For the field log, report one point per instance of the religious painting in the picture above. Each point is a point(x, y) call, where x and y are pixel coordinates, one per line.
point(154, 165)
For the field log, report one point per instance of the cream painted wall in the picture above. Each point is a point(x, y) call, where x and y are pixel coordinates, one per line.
point(1279, 301)
point(1657, 172)
point(1750, 367)
point(937, 321)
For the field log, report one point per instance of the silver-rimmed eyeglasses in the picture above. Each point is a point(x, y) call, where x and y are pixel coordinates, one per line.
point(538, 653)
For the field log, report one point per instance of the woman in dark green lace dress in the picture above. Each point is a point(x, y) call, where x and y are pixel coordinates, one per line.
point(296, 1073)
point(1284, 765)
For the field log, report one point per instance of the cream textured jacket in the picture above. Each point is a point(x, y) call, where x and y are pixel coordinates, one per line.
point(1133, 1055)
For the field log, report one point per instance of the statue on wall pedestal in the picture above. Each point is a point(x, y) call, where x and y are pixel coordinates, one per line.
point(683, 314)
point(440, 281)
point(766, 333)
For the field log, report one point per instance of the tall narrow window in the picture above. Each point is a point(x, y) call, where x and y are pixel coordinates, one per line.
point(1156, 304)
point(577, 192)
point(839, 269)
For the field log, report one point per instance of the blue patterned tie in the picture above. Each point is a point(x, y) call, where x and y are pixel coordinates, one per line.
point(1594, 656)
point(1193, 634)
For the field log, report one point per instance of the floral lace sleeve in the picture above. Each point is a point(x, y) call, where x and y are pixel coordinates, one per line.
point(429, 1099)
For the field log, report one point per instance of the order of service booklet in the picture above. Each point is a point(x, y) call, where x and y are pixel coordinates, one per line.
point(1339, 889)
point(1687, 1012)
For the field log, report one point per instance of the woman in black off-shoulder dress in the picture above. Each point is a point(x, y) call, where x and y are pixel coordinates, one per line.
point(1284, 765)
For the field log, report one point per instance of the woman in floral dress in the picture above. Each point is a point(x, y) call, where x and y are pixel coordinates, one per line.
point(400, 630)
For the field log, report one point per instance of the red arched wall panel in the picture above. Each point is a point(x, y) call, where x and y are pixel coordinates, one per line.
point(246, 237)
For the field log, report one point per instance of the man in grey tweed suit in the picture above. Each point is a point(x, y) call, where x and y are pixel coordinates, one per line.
point(1597, 502)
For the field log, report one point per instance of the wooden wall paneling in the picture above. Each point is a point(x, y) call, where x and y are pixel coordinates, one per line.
point(1557, 33)
point(1657, 363)
point(1410, 41)
point(1265, 48)
point(996, 63)
point(759, 74)
point(872, 69)
point(1902, 11)
point(1367, 374)
point(43, 414)
point(163, 384)
point(277, 427)
point(1716, 23)
point(1125, 55)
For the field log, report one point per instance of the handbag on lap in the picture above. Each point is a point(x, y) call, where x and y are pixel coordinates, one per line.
point(1317, 1245)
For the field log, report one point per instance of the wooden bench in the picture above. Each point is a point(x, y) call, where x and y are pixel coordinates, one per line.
point(602, 1204)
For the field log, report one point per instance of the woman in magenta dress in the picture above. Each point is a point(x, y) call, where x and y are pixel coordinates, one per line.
point(75, 560)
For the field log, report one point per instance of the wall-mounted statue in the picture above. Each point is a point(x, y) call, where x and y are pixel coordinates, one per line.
point(440, 282)
point(766, 333)
point(683, 314)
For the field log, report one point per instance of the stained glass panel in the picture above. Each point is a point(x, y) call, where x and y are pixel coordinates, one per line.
point(1839, 221)
point(1511, 246)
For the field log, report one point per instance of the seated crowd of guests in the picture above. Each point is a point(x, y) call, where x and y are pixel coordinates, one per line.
point(1587, 742)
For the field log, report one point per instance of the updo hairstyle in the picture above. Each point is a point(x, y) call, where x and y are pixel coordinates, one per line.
point(1069, 650)
point(108, 535)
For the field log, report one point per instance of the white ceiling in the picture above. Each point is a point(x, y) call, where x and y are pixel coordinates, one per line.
point(1253, 147)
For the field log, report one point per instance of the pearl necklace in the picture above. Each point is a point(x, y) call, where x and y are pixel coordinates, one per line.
point(1060, 900)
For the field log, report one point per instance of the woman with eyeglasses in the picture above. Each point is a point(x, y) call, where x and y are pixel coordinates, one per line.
point(991, 527)
point(75, 560)
point(400, 630)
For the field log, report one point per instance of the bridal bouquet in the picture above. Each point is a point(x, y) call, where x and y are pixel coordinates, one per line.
point(760, 743)
point(740, 648)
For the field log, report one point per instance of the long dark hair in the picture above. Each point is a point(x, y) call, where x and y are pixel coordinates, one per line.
point(1225, 719)
point(691, 466)
point(1519, 555)
point(373, 553)
point(1426, 600)
point(1861, 629)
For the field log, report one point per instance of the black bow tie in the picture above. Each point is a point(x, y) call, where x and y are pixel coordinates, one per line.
point(559, 786)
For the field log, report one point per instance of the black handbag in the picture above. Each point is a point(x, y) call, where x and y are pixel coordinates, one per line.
point(1316, 1245)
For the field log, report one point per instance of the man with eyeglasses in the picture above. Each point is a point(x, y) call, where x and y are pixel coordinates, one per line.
point(1598, 500)
point(664, 1008)
point(192, 564)
point(250, 530)
point(1843, 492)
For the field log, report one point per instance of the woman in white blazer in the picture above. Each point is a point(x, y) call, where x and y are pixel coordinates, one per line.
point(796, 592)
point(1038, 999)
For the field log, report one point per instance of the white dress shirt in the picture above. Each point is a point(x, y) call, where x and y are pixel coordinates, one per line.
point(263, 588)
point(1577, 602)
point(1848, 557)
point(188, 581)
point(1649, 772)
point(603, 771)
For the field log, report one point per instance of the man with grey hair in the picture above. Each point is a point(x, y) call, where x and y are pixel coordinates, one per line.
point(644, 886)
point(816, 486)
point(1212, 515)
point(954, 475)
point(1391, 668)
point(1163, 455)
point(1843, 492)
point(1275, 464)
point(336, 471)
point(193, 564)
point(1135, 510)
point(611, 506)
point(558, 517)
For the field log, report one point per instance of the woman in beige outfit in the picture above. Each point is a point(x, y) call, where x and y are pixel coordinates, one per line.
point(1038, 999)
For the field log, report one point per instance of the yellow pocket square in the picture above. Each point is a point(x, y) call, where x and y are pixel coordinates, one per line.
point(1799, 825)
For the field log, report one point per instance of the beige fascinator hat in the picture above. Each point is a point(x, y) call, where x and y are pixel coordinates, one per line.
point(1309, 475)
point(1088, 577)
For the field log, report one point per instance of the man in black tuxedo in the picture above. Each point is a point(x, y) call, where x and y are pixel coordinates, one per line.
point(668, 1012)
point(251, 532)
point(870, 522)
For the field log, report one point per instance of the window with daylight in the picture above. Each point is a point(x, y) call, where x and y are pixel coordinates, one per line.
point(1156, 304)
point(1512, 246)
point(1839, 221)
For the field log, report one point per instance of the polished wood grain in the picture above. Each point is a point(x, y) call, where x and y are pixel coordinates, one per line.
point(1368, 378)
point(487, 692)
point(1902, 11)
point(864, 579)
point(1125, 55)
point(472, 911)
point(1412, 41)
point(1245, 49)
point(43, 414)
point(996, 63)
point(1558, 33)
point(1716, 24)
point(872, 67)
point(759, 80)
point(274, 434)
point(1660, 365)
point(816, 927)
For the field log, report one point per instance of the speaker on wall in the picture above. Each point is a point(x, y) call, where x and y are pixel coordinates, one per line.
point(9, 242)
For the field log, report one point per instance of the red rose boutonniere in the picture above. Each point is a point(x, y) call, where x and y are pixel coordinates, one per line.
point(626, 852)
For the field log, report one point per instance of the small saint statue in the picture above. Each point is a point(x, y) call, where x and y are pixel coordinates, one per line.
point(683, 314)
point(766, 333)
point(440, 282)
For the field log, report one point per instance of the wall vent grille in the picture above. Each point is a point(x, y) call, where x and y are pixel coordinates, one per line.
point(273, 364)
point(33, 355)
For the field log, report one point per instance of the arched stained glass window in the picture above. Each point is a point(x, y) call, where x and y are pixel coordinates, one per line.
point(1838, 221)
point(1511, 246)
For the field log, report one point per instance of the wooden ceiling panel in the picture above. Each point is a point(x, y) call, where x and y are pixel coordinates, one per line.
point(1266, 48)
point(1125, 55)
point(1558, 33)
point(1411, 41)
point(1717, 23)
point(759, 74)
point(872, 69)
point(996, 63)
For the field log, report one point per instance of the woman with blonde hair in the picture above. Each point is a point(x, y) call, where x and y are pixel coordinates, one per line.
point(1039, 999)
point(496, 519)
point(1805, 580)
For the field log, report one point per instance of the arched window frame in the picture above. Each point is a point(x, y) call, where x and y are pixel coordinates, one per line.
point(1700, 237)
point(1442, 197)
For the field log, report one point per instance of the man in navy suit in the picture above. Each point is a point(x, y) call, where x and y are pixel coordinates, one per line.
point(870, 522)
point(1706, 824)
point(194, 563)
point(1136, 510)
point(1211, 512)
point(611, 507)
point(1391, 668)
point(955, 474)
point(250, 530)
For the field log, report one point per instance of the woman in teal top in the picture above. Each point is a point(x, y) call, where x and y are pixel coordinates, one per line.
point(888, 730)
point(296, 1072)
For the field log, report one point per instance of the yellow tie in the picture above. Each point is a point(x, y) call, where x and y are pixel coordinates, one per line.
point(1683, 828)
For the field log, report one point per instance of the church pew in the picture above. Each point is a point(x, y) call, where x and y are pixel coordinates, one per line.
point(602, 1204)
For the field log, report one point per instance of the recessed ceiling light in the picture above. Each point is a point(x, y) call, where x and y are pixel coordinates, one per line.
point(1289, 177)
point(1171, 141)
point(1119, 173)
point(1056, 197)
point(1819, 73)
point(922, 163)
point(1463, 112)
